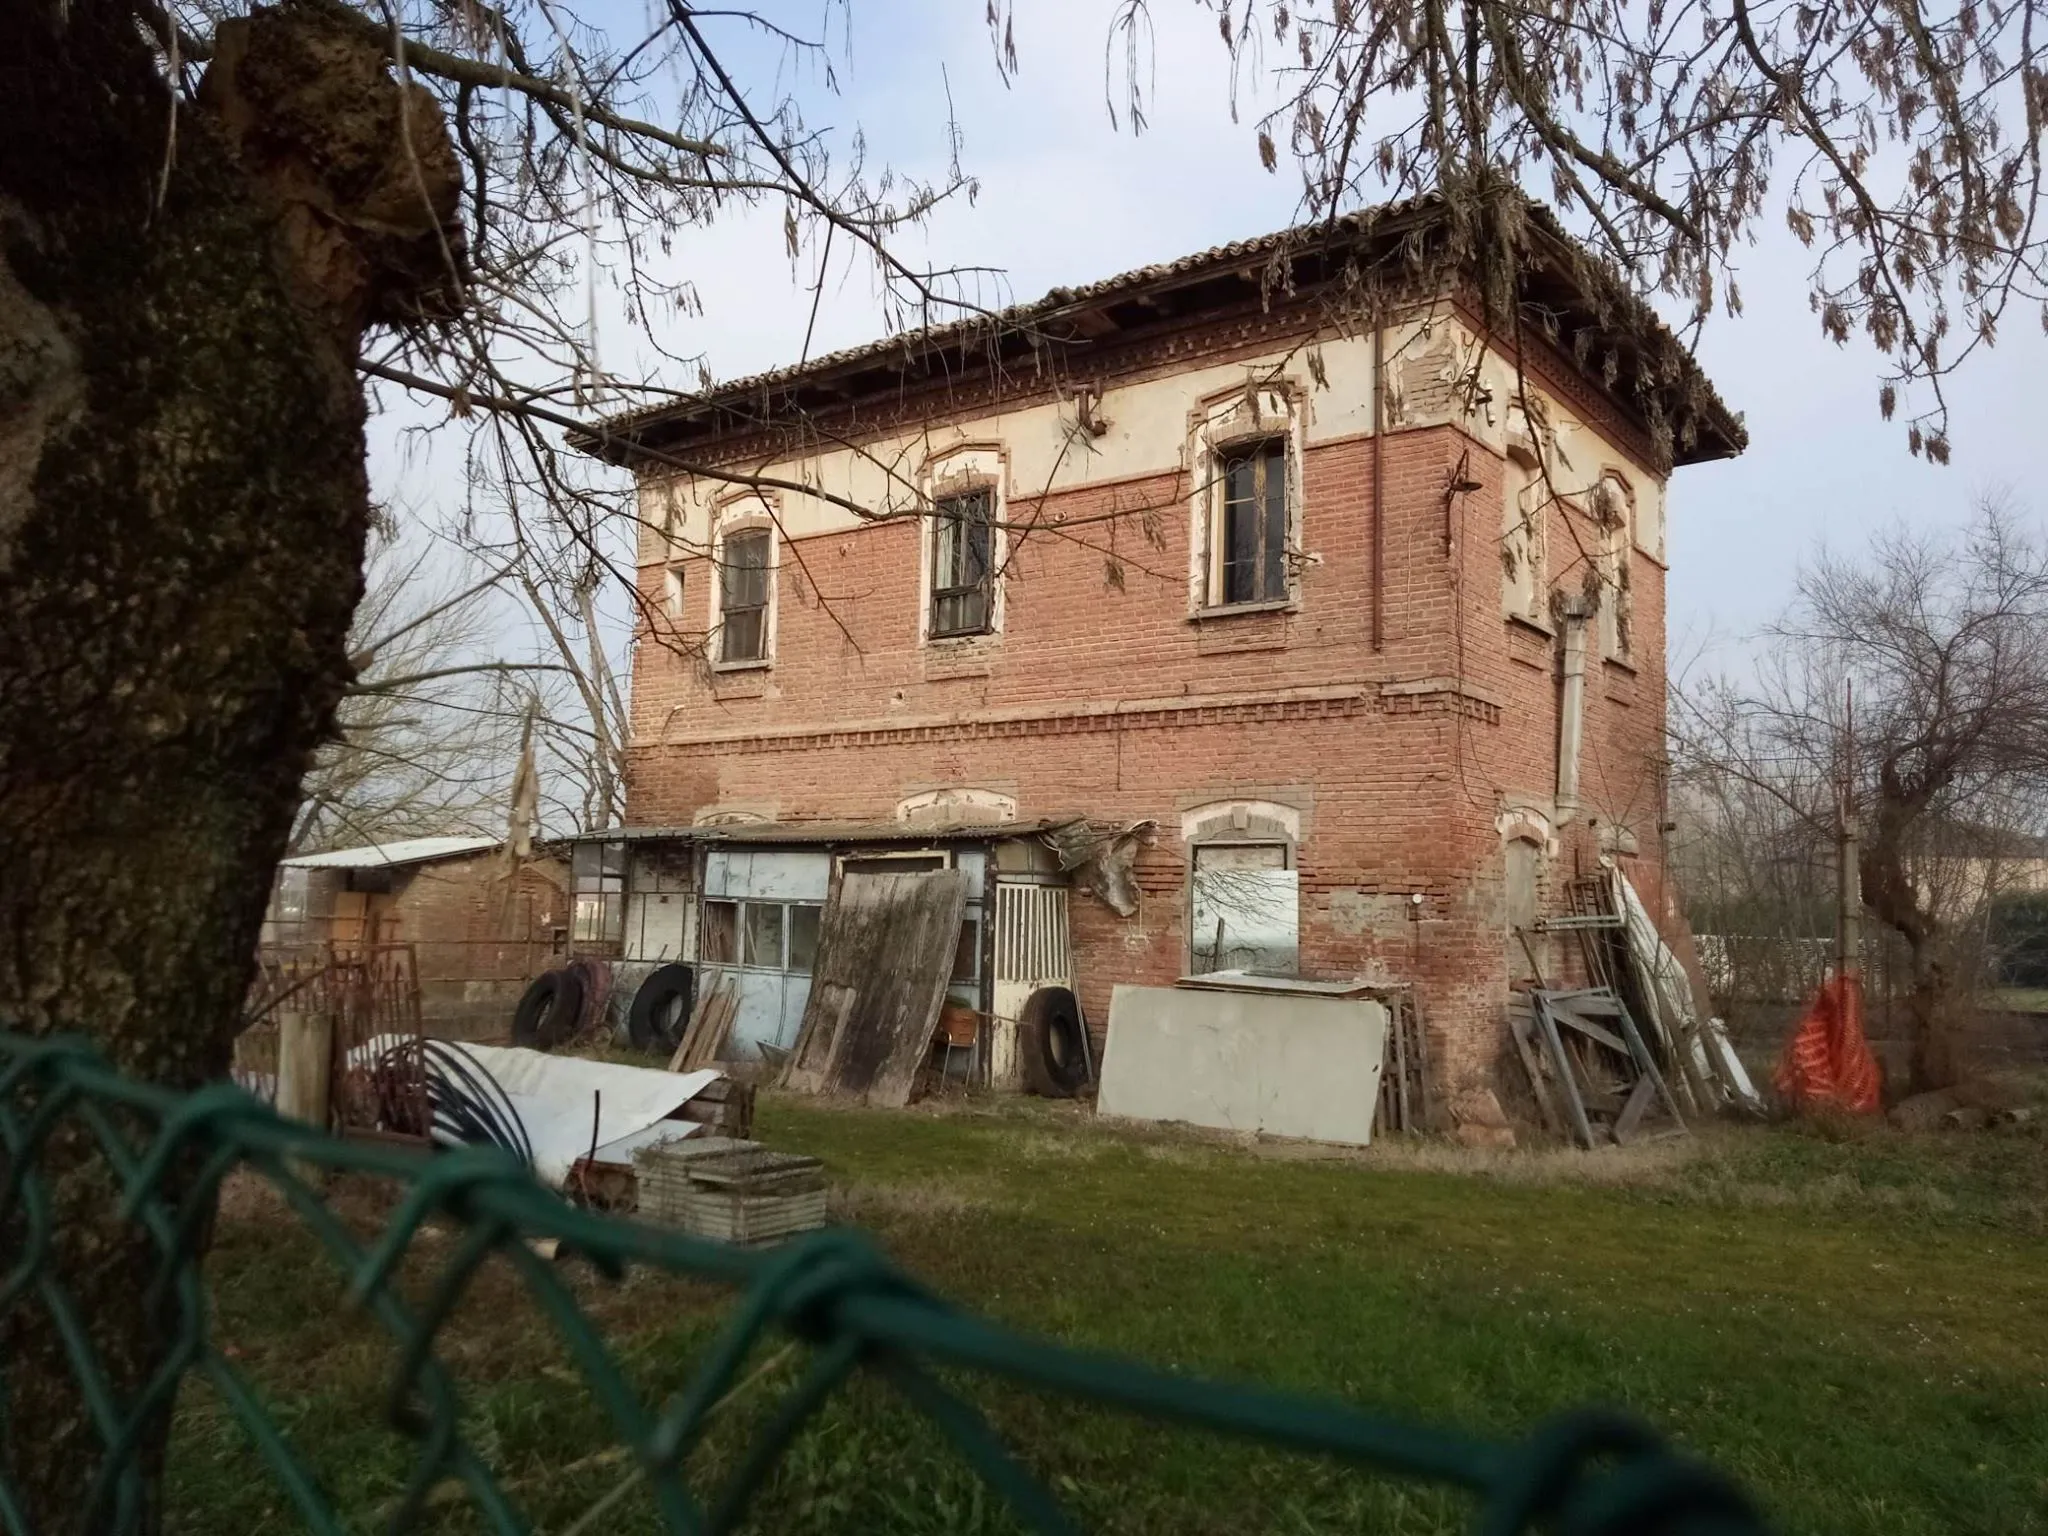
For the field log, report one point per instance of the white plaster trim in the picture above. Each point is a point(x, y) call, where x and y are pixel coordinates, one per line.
point(1219, 818)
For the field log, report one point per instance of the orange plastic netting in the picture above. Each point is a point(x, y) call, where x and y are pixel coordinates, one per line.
point(1828, 1060)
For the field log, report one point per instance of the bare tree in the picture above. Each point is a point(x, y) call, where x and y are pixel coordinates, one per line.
point(427, 734)
point(215, 221)
point(1899, 141)
point(1913, 679)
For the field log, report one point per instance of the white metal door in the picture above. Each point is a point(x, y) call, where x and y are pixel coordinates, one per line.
point(1032, 950)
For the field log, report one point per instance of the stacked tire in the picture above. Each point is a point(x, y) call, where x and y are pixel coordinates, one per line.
point(550, 1012)
point(661, 1009)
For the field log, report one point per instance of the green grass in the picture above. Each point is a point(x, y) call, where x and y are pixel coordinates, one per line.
point(1854, 1323)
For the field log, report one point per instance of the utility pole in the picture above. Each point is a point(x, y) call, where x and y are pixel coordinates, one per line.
point(1849, 880)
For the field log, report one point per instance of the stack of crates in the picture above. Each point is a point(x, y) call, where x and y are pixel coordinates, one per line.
point(732, 1191)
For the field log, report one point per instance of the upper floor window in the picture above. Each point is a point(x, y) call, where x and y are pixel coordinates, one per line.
point(1250, 537)
point(745, 558)
point(1245, 533)
point(1524, 504)
point(1613, 508)
point(963, 548)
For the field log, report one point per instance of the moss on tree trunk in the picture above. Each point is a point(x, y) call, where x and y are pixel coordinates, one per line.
point(183, 505)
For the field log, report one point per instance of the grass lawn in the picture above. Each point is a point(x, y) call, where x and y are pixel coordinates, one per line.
point(1853, 1323)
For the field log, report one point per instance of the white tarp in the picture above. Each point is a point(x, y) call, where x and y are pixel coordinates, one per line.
point(557, 1096)
point(1712, 1056)
point(1277, 1062)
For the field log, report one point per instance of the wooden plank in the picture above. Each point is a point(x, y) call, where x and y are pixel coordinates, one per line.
point(1631, 1114)
point(1567, 1014)
point(696, 1022)
point(885, 954)
point(1404, 1119)
point(1648, 1066)
point(719, 1034)
point(1522, 1030)
point(1567, 1085)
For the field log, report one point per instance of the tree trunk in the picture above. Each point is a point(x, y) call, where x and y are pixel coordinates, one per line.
point(183, 506)
point(1889, 891)
point(1936, 1061)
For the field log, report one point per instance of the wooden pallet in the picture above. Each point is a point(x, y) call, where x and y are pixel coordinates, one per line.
point(731, 1190)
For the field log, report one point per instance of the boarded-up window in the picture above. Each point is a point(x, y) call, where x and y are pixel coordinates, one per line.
point(719, 943)
point(1524, 876)
point(1251, 526)
point(1613, 508)
point(963, 543)
point(743, 596)
point(1524, 498)
point(1245, 909)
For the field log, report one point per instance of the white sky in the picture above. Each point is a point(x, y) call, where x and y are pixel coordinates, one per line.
point(1065, 199)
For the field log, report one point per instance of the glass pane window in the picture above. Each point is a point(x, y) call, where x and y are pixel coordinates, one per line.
point(803, 939)
point(761, 935)
point(743, 596)
point(963, 545)
point(1252, 537)
point(719, 943)
point(599, 917)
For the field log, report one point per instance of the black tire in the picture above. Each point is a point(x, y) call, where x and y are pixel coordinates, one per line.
point(661, 1008)
point(548, 1013)
point(1054, 1049)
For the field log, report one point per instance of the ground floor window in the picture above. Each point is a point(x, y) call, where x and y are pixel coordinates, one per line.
point(1244, 908)
point(760, 935)
point(597, 872)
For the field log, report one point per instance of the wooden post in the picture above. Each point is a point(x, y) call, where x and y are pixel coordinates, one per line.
point(1848, 876)
point(1849, 899)
point(305, 1048)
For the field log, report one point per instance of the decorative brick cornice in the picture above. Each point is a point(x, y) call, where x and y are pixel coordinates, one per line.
point(1343, 701)
point(1440, 696)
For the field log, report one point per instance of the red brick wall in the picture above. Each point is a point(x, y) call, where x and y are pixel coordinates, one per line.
point(1107, 701)
point(479, 937)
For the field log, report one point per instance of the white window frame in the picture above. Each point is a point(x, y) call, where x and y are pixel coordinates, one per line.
point(745, 518)
point(1225, 426)
point(959, 471)
point(1237, 824)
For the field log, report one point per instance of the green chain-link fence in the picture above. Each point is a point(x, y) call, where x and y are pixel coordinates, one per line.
point(1587, 1474)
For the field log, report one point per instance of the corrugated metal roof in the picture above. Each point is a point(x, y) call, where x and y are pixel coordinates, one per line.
point(411, 850)
point(825, 832)
point(1242, 255)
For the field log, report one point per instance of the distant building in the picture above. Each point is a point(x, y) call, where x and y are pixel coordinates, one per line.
point(478, 929)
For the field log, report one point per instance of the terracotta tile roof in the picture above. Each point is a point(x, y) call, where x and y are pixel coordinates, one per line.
point(754, 395)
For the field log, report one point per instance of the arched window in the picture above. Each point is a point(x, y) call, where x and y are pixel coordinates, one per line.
point(1244, 889)
point(1614, 510)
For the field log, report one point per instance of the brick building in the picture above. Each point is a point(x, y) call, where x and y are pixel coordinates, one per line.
point(474, 930)
point(1357, 626)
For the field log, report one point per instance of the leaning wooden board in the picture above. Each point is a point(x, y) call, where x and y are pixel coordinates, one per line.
point(885, 953)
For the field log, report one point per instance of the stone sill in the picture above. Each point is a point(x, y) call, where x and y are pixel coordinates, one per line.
point(1236, 610)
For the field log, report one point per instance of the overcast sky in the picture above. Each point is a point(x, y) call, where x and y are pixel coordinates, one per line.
point(1066, 199)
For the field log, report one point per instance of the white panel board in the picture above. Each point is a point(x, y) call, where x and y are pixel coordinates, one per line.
point(1283, 1064)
